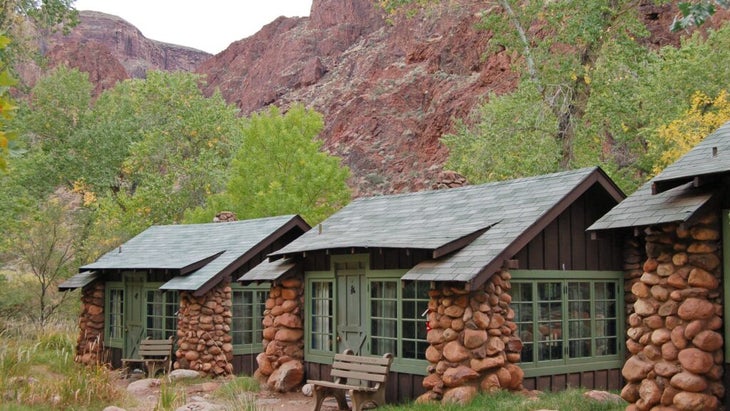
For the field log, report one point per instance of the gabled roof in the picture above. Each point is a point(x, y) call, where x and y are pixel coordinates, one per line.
point(678, 192)
point(710, 157)
point(469, 230)
point(199, 254)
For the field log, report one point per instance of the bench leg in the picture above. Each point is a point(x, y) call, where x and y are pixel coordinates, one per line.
point(361, 398)
point(320, 393)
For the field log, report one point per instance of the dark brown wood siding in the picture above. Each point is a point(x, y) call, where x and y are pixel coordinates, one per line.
point(598, 380)
point(400, 387)
point(244, 364)
point(565, 245)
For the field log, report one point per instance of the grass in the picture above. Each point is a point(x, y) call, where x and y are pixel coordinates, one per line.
point(238, 394)
point(37, 373)
point(571, 399)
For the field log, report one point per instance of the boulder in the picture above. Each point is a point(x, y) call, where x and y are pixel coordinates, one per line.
point(460, 395)
point(287, 377)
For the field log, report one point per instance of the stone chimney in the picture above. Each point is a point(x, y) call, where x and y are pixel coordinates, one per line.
point(224, 217)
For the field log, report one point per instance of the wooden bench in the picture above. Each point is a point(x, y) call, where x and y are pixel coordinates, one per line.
point(362, 377)
point(154, 355)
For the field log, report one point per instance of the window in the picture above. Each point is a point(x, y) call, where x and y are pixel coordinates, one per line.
point(383, 317)
point(321, 303)
point(115, 315)
point(162, 308)
point(396, 322)
point(567, 322)
point(248, 308)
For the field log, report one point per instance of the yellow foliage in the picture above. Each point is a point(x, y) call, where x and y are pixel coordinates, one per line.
point(678, 137)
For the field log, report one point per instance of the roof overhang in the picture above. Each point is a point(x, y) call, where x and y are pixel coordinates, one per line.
point(269, 271)
point(79, 280)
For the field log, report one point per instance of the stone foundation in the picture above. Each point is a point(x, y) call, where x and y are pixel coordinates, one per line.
point(472, 342)
point(675, 340)
point(204, 332)
point(90, 344)
point(281, 364)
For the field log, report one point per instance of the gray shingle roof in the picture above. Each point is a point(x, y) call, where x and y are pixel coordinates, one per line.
point(644, 209)
point(268, 270)
point(709, 156)
point(677, 199)
point(79, 280)
point(215, 246)
point(431, 218)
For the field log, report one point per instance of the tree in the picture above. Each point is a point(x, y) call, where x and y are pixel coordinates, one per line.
point(679, 136)
point(280, 169)
point(6, 105)
point(696, 13)
point(49, 246)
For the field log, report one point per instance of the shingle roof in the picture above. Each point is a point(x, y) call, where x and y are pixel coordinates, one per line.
point(677, 198)
point(79, 280)
point(644, 209)
point(199, 252)
point(710, 156)
point(268, 270)
point(431, 218)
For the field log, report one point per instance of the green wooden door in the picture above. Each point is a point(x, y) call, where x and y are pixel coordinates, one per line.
point(350, 309)
point(134, 314)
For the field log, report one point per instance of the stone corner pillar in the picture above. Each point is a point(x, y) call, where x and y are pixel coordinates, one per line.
point(90, 342)
point(472, 341)
point(204, 336)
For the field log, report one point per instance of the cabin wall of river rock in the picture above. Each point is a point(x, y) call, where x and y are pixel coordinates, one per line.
point(675, 340)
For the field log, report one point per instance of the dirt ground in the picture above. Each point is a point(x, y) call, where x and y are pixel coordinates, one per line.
point(147, 393)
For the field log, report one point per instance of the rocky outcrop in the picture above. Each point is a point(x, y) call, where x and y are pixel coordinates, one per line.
point(110, 49)
point(674, 337)
point(389, 87)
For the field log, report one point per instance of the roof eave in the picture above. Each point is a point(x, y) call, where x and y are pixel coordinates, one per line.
point(294, 223)
point(597, 176)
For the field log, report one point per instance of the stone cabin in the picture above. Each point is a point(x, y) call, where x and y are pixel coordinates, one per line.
point(480, 287)
point(175, 281)
point(676, 229)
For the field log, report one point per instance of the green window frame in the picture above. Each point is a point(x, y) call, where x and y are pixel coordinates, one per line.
point(114, 315)
point(568, 321)
point(319, 341)
point(161, 313)
point(396, 317)
point(247, 309)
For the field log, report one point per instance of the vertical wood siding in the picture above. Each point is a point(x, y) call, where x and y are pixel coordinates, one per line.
point(599, 380)
point(565, 244)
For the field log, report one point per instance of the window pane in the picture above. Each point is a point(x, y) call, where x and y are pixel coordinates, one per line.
point(413, 324)
point(549, 321)
point(322, 315)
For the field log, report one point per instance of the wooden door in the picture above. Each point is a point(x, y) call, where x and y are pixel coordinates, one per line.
point(350, 309)
point(134, 308)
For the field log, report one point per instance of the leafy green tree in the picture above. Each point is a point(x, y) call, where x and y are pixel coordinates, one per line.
point(171, 148)
point(280, 169)
point(49, 245)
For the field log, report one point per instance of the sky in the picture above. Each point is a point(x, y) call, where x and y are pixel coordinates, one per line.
point(188, 23)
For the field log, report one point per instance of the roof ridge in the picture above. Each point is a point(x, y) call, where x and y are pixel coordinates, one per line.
point(583, 170)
